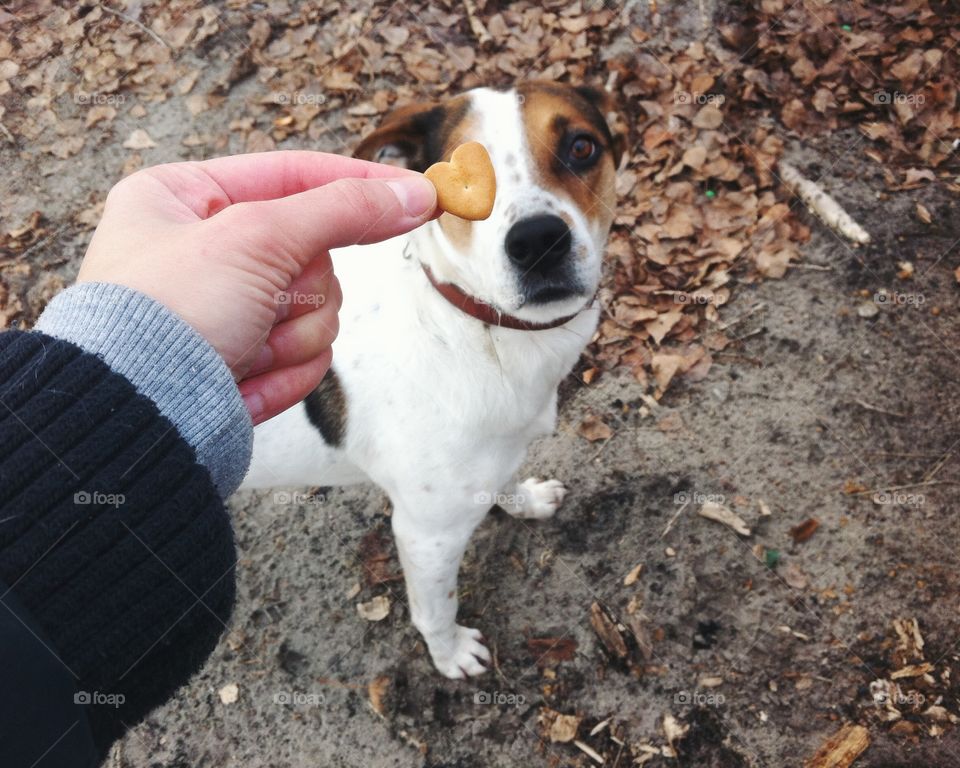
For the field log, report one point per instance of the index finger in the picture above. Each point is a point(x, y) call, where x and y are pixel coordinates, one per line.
point(271, 175)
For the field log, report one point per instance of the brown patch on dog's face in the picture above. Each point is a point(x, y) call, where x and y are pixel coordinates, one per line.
point(418, 135)
point(562, 124)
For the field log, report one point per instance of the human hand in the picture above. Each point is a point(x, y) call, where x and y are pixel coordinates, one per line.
point(238, 247)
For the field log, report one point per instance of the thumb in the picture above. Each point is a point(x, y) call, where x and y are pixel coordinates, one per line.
point(352, 211)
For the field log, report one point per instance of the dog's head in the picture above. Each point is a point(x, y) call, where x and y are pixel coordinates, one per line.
point(538, 255)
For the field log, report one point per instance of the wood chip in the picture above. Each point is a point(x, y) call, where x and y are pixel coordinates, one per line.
point(564, 729)
point(912, 670)
point(610, 631)
point(376, 609)
point(229, 693)
point(721, 514)
point(841, 749)
point(631, 578)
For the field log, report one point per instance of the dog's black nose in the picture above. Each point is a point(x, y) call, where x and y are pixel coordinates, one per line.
point(538, 242)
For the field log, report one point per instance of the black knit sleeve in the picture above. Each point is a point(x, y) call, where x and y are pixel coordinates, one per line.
point(112, 538)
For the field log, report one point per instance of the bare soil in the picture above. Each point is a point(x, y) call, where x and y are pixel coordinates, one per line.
point(816, 410)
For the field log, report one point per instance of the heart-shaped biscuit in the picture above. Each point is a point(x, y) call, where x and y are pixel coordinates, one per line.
point(467, 185)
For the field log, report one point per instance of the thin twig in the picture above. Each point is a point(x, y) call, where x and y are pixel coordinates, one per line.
point(130, 19)
point(878, 409)
point(752, 311)
point(674, 518)
point(931, 473)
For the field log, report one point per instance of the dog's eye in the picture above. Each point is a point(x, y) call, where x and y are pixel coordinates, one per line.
point(583, 150)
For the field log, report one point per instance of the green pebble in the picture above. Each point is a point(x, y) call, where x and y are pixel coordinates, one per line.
point(846, 27)
point(711, 193)
point(772, 557)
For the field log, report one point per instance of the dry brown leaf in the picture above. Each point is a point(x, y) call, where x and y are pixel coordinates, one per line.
point(802, 532)
point(593, 428)
point(377, 691)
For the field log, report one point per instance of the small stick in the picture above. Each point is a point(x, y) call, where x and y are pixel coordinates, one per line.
point(752, 311)
point(130, 19)
point(821, 205)
point(931, 473)
point(674, 518)
point(878, 409)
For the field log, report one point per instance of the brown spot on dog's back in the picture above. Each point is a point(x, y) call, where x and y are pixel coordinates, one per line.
point(327, 409)
point(552, 113)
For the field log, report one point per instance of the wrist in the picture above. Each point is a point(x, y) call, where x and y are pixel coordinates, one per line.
point(166, 360)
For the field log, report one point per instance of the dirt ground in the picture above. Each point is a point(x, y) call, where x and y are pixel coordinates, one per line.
point(839, 401)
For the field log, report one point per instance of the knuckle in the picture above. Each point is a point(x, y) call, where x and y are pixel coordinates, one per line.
point(360, 197)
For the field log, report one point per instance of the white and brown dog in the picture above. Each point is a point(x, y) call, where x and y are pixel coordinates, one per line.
point(454, 338)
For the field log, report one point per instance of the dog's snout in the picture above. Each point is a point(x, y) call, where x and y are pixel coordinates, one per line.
point(539, 241)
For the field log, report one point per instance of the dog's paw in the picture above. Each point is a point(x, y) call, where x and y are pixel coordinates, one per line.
point(541, 498)
point(462, 657)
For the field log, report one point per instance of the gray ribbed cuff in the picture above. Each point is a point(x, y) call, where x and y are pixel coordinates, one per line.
point(167, 361)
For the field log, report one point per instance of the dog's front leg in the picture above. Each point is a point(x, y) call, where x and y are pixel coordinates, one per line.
point(431, 541)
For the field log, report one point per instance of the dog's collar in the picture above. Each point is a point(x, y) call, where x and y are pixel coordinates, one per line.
point(486, 313)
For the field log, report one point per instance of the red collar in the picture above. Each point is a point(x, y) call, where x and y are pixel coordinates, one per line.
point(486, 313)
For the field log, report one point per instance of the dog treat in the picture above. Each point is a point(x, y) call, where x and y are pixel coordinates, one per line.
point(467, 185)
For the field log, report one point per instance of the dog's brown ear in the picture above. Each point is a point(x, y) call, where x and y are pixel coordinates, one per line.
point(407, 137)
point(606, 103)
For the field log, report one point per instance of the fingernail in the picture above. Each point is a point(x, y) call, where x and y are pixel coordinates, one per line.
point(254, 403)
point(417, 195)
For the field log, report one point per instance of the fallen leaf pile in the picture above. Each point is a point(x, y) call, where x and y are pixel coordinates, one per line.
point(700, 203)
point(699, 200)
point(890, 70)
